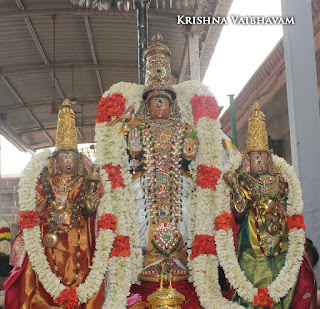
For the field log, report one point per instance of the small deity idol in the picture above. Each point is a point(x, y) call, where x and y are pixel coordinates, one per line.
point(66, 201)
point(259, 204)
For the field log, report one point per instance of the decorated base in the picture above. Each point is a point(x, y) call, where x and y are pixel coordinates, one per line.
point(184, 287)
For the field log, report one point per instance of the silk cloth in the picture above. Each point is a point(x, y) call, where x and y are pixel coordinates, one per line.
point(147, 288)
point(23, 288)
point(261, 271)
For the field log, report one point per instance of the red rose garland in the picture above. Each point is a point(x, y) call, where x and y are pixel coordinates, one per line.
point(263, 298)
point(108, 221)
point(121, 246)
point(110, 106)
point(223, 221)
point(204, 106)
point(69, 298)
point(114, 175)
point(207, 177)
point(203, 244)
point(295, 221)
point(28, 219)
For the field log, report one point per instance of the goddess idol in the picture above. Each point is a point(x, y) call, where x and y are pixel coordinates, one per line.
point(269, 268)
point(54, 252)
point(172, 146)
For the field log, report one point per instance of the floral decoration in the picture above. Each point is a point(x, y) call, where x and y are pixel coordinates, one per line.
point(28, 219)
point(263, 298)
point(122, 270)
point(115, 176)
point(223, 221)
point(207, 176)
point(295, 221)
point(69, 298)
point(121, 246)
point(5, 233)
point(110, 107)
point(203, 244)
point(204, 106)
point(108, 221)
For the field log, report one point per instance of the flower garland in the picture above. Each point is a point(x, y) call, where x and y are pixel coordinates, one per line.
point(125, 261)
point(69, 297)
point(287, 276)
point(203, 262)
point(109, 107)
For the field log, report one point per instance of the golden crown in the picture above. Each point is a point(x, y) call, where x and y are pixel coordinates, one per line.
point(66, 137)
point(257, 137)
point(158, 70)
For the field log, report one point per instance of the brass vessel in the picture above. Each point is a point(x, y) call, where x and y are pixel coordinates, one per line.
point(166, 298)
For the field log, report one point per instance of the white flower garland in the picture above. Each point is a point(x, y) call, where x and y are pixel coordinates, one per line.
point(287, 277)
point(35, 250)
point(111, 149)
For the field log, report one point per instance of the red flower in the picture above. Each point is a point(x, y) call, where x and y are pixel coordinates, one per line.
point(295, 221)
point(110, 106)
point(203, 244)
point(204, 106)
point(263, 298)
point(69, 298)
point(29, 219)
point(115, 176)
point(121, 246)
point(207, 177)
point(223, 221)
point(108, 221)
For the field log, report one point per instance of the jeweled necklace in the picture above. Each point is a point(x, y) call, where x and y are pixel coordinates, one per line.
point(162, 144)
point(268, 240)
point(51, 239)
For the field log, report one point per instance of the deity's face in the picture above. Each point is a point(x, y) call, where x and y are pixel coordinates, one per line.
point(159, 107)
point(68, 161)
point(258, 162)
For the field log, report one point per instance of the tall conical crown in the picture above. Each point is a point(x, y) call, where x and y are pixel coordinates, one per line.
point(257, 137)
point(158, 70)
point(66, 128)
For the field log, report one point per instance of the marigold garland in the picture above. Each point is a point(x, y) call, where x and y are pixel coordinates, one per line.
point(108, 221)
point(207, 176)
point(28, 219)
point(110, 106)
point(115, 176)
point(69, 298)
point(204, 106)
point(121, 246)
point(203, 244)
point(295, 221)
point(223, 221)
point(263, 298)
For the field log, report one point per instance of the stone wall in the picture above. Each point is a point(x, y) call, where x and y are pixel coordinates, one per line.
point(9, 201)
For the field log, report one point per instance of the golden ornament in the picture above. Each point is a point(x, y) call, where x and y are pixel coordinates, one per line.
point(257, 137)
point(166, 298)
point(51, 240)
point(66, 137)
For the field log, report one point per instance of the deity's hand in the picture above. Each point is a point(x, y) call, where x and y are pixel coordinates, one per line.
point(238, 203)
point(91, 202)
point(134, 142)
